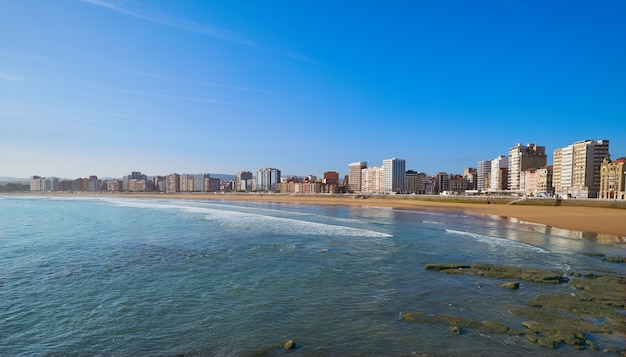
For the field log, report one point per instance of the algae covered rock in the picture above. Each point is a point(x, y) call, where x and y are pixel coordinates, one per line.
point(289, 345)
point(510, 285)
point(494, 328)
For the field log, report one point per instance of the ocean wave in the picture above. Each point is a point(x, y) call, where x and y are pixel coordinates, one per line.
point(496, 241)
point(257, 221)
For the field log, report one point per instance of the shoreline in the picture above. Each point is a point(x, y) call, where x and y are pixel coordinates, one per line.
point(606, 225)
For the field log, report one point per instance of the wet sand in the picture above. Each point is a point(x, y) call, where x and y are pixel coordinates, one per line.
point(609, 221)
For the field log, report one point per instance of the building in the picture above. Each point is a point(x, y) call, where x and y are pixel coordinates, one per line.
point(537, 182)
point(499, 173)
point(483, 175)
point(577, 168)
point(471, 177)
point(354, 175)
point(35, 183)
point(522, 158)
point(267, 179)
point(199, 182)
point(457, 184)
point(393, 175)
point(244, 181)
point(613, 179)
point(415, 182)
point(442, 182)
point(172, 183)
point(372, 179)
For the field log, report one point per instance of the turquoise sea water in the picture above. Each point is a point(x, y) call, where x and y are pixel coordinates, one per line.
point(159, 277)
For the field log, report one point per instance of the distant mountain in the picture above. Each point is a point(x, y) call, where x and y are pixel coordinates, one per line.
point(224, 177)
point(5, 180)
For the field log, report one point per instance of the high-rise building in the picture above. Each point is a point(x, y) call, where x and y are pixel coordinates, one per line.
point(267, 179)
point(483, 175)
point(522, 158)
point(35, 183)
point(442, 182)
point(393, 175)
point(372, 179)
point(199, 182)
point(613, 179)
point(354, 175)
point(172, 183)
point(499, 174)
point(577, 168)
point(243, 181)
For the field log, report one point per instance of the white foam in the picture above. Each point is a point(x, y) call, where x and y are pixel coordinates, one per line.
point(256, 221)
point(496, 241)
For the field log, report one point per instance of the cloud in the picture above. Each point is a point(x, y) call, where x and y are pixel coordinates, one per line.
point(175, 22)
point(10, 77)
point(131, 91)
point(23, 56)
point(209, 84)
point(187, 25)
point(81, 112)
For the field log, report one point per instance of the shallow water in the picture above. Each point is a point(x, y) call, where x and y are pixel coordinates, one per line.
point(118, 277)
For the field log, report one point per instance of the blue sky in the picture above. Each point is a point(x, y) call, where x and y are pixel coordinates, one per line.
point(105, 87)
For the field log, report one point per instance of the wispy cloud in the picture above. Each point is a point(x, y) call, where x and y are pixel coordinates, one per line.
point(147, 14)
point(131, 91)
point(171, 21)
point(10, 77)
point(193, 81)
point(23, 110)
point(25, 56)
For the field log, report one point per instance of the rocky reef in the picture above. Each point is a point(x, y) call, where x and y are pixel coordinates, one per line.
point(595, 307)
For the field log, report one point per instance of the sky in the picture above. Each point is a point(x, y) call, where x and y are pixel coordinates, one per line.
point(106, 87)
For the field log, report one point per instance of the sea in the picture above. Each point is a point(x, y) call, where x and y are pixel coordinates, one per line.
point(124, 276)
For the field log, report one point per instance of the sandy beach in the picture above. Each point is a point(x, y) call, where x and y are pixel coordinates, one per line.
point(608, 223)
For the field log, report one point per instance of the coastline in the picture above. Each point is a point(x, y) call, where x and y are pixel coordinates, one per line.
point(607, 225)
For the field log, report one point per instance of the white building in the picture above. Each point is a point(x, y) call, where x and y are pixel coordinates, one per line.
point(499, 166)
point(393, 175)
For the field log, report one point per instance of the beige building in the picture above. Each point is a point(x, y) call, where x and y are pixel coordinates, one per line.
point(577, 168)
point(372, 179)
point(522, 158)
point(354, 175)
point(613, 179)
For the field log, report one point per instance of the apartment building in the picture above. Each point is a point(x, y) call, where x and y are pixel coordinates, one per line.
point(483, 175)
point(415, 182)
point(537, 182)
point(354, 175)
point(172, 183)
point(520, 159)
point(499, 174)
point(393, 175)
point(372, 179)
point(613, 179)
point(577, 168)
point(267, 179)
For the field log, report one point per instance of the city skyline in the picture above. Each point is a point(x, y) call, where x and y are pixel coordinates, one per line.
point(105, 87)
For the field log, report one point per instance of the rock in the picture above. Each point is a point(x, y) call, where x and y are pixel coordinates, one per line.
point(614, 259)
point(511, 285)
point(493, 327)
point(289, 345)
point(440, 267)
